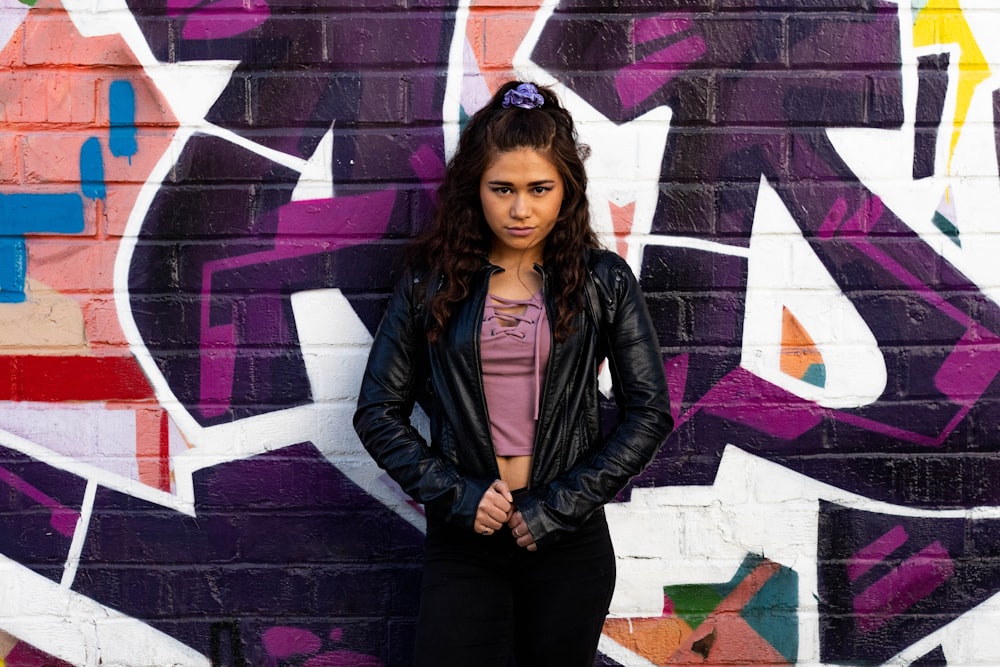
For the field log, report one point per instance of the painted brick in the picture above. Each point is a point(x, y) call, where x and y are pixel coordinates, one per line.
point(503, 34)
point(10, 166)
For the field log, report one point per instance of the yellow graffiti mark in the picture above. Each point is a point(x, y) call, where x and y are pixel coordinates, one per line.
point(942, 22)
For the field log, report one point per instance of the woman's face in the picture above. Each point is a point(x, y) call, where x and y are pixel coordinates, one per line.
point(521, 192)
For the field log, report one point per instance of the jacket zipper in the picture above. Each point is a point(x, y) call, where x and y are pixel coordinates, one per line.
point(477, 344)
point(543, 399)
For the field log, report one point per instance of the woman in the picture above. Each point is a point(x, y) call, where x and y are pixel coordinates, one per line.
point(500, 326)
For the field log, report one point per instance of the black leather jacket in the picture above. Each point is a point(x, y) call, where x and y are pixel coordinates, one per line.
point(575, 470)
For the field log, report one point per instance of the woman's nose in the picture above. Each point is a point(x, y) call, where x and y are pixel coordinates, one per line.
point(520, 208)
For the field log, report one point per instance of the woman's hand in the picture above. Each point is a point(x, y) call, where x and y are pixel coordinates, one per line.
point(519, 529)
point(494, 508)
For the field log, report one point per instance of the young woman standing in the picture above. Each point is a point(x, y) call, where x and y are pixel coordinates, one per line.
point(500, 325)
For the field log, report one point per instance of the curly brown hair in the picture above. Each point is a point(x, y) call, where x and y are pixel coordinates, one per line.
point(458, 239)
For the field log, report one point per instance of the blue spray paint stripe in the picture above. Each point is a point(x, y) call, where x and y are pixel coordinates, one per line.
point(22, 214)
point(92, 169)
point(33, 213)
point(121, 103)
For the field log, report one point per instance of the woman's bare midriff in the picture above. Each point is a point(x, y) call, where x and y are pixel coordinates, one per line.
point(515, 470)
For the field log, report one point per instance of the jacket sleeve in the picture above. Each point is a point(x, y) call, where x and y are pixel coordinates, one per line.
point(396, 369)
point(643, 420)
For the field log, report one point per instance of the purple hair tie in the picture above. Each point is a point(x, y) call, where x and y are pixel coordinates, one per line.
point(525, 96)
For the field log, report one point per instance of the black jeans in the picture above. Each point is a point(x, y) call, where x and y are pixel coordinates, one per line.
point(485, 600)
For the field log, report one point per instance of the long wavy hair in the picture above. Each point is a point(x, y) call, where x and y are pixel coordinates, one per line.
point(458, 240)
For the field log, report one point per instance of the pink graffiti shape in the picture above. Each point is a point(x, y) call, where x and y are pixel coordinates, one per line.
point(676, 370)
point(646, 30)
point(304, 228)
point(748, 399)
point(63, 519)
point(914, 579)
point(971, 367)
point(427, 165)
point(284, 642)
point(859, 224)
point(876, 552)
point(223, 18)
point(637, 82)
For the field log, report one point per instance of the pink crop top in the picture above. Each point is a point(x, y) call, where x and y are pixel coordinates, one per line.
point(515, 353)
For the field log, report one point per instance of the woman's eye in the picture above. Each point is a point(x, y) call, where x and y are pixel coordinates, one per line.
point(501, 190)
point(541, 190)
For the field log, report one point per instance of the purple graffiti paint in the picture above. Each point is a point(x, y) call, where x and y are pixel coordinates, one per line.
point(377, 76)
point(284, 642)
point(63, 519)
point(225, 18)
point(305, 228)
point(914, 579)
point(637, 81)
point(275, 536)
point(728, 400)
point(971, 367)
point(874, 553)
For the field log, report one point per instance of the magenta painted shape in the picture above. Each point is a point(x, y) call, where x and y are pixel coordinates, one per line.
point(646, 30)
point(748, 399)
point(26, 655)
point(285, 641)
point(833, 219)
point(676, 370)
point(635, 83)
point(63, 519)
point(971, 367)
point(876, 552)
point(224, 18)
point(304, 228)
point(179, 7)
point(859, 224)
point(914, 579)
point(427, 165)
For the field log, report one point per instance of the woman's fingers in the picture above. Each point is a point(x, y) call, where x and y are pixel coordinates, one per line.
point(519, 529)
point(503, 489)
point(494, 508)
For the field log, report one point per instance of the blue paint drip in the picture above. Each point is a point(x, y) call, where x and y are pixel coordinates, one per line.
point(92, 169)
point(22, 214)
point(121, 101)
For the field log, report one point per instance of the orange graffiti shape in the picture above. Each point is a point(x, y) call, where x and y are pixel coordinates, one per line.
point(495, 31)
point(798, 351)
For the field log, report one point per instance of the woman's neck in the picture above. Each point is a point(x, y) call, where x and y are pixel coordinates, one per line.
point(518, 280)
point(516, 261)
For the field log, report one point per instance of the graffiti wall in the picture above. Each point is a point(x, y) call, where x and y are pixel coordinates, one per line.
point(203, 206)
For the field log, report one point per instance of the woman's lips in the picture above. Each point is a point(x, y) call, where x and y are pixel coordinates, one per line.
point(520, 231)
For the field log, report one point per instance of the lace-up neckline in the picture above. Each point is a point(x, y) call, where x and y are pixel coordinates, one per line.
point(500, 310)
point(515, 351)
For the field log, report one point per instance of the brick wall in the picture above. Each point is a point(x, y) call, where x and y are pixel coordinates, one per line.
point(202, 211)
